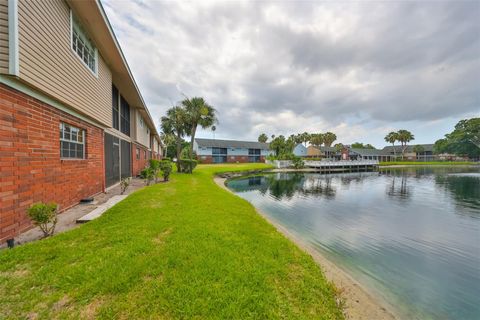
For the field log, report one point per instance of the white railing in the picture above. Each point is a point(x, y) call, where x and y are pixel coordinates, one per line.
point(342, 163)
point(279, 164)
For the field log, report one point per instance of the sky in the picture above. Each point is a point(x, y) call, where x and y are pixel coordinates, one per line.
point(358, 69)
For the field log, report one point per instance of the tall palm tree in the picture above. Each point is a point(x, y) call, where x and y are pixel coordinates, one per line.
point(316, 140)
point(404, 136)
point(200, 113)
point(305, 137)
point(176, 123)
point(263, 138)
point(392, 137)
point(329, 138)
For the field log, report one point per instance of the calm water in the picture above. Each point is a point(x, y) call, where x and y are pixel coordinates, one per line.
point(409, 235)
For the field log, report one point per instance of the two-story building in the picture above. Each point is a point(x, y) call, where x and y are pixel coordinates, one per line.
point(221, 151)
point(72, 119)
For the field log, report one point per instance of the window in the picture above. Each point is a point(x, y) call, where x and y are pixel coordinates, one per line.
point(115, 114)
point(145, 154)
point(124, 116)
point(254, 155)
point(219, 155)
point(82, 45)
point(138, 153)
point(72, 142)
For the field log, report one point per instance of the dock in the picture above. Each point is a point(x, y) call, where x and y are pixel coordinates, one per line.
point(343, 165)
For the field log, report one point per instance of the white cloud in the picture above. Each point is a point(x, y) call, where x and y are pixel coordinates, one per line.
point(358, 69)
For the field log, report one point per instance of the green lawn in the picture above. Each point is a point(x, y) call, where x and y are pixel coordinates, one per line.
point(182, 249)
point(426, 163)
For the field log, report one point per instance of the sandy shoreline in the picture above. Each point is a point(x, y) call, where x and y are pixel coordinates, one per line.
point(359, 304)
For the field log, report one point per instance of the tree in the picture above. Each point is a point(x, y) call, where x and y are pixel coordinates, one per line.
point(404, 136)
point(463, 140)
point(282, 147)
point(329, 138)
point(198, 112)
point(277, 144)
point(304, 138)
point(176, 123)
point(339, 147)
point(168, 140)
point(392, 137)
point(418, 149)
point(316, 140)
point(359, 145)
point(263, 138)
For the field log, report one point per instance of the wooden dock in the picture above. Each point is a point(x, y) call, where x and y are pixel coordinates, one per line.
point(343, 165)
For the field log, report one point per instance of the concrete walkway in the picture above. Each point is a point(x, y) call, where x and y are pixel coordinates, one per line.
point(67, 220)
point(98, 211)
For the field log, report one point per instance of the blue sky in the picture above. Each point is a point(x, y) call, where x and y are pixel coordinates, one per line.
point(359, 69)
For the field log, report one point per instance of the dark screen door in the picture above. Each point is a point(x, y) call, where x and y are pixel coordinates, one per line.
point(112, 160)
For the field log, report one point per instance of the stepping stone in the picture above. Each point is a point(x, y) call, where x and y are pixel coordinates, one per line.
point(98, 211)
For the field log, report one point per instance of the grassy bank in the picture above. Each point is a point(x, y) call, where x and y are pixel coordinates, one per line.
point(183, 249)
point(426, 163)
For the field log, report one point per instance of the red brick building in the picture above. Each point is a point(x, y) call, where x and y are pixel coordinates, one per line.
point(72, 120)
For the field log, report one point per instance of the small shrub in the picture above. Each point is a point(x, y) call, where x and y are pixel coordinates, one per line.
point(187, 165)
point(165, 169)
point(44, 215)
point(147, 175)
point(124, 183)
point(155, 166)
point(298, 163)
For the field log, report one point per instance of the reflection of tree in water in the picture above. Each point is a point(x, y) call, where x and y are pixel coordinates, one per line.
point(464, 189)
point(284, 185)
point(398, 187)
point(317, 186)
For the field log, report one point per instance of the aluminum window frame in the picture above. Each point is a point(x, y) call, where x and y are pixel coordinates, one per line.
point(70, 140)
point(95, 50)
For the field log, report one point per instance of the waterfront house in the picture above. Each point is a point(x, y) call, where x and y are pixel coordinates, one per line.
point(72, 119)
point(300, 150)
point(221, 151)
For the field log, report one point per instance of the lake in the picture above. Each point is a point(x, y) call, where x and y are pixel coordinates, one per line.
point(411, 236)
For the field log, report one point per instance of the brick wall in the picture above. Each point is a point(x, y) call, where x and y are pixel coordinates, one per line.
point(139, 164)
point(30, 166)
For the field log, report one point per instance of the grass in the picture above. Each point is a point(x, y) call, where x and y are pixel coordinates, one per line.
point(182, 249)
point(426, 163)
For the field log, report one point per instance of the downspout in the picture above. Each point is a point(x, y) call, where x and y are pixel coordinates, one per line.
point(13, 62)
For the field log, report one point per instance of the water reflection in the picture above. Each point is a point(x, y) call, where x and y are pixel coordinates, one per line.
point(289, 185)
point(412, 234)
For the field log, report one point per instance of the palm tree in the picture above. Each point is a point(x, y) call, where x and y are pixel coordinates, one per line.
point(262, 138)
point(200, 113)
point(392, 137)
point(404, 136)
point(316, 140)
point(305, 138)
point(176, 123)
point(329, 138)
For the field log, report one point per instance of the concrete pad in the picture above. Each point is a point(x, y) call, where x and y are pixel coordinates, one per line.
point(98, 211)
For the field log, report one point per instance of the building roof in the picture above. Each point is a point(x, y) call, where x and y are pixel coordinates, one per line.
point(369, 152)
point(398, 149)
point(215, 143)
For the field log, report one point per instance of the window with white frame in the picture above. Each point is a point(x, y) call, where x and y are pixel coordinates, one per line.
point(83, 46)
point(72, 142)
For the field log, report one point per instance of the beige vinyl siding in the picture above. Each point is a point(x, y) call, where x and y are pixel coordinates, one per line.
point(142, 134)
point(48, 63)
point(3, 36)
